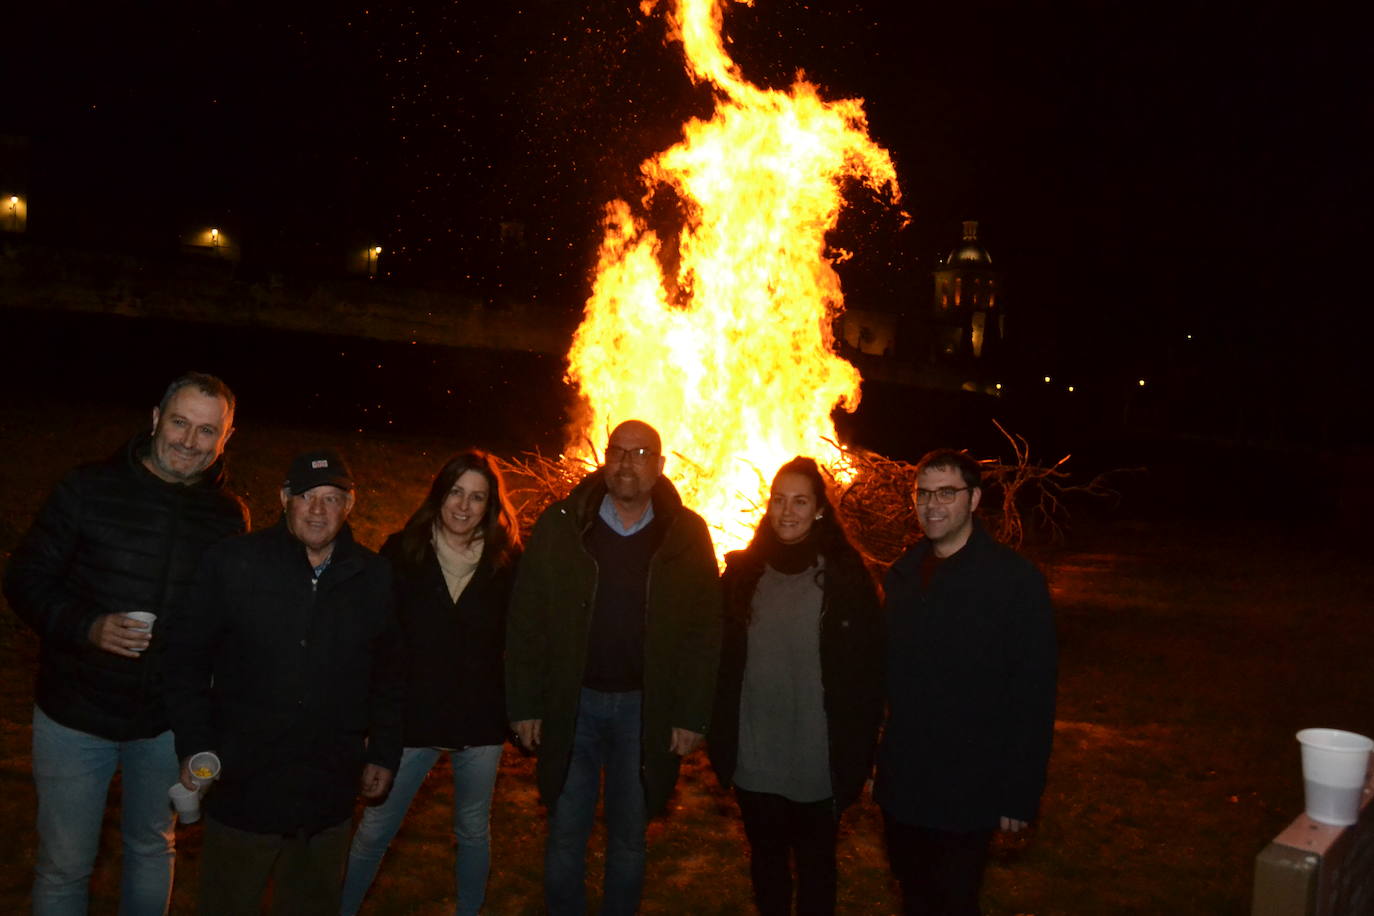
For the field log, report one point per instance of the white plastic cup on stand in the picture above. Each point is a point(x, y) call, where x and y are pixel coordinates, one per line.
point(186, 801)
point(147, 618)
point(1335, 765)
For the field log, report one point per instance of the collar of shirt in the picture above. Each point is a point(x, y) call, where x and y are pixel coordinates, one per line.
point(612, 518)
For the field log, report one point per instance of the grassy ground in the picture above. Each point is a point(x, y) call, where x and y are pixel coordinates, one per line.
point(1191, 652)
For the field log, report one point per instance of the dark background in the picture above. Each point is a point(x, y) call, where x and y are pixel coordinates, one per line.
point(1141, 172)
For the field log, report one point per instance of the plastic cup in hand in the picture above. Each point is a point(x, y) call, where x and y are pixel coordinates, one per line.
point(1335, 765)
point(147, 618)
point(204, 767)
point(186, 801)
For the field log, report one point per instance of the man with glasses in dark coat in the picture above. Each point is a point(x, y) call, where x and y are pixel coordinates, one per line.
point(611, 655)
point(971, 683)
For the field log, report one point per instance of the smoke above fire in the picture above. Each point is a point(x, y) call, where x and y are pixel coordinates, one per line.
point(714, 323)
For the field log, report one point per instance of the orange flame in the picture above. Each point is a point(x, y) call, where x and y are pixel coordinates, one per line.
point(731, 355)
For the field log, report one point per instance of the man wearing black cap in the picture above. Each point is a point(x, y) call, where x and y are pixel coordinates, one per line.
point(287, 666)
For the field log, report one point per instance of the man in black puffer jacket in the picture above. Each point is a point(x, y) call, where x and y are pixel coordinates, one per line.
point(115, 538)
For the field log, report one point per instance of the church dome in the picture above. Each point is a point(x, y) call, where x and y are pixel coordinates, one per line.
point(969, 253)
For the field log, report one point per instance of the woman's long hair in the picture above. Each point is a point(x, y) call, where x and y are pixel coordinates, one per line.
point(499, 530)
point(827, 533)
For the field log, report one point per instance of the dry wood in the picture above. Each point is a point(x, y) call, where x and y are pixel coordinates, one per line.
point(873, 493)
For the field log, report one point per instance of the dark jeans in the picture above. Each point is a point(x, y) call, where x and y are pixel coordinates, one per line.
point(607, 738)
point(779, 828)
point(307, 872)
point(939, 871)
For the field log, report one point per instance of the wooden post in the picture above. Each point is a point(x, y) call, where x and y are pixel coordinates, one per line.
point(1313, 869)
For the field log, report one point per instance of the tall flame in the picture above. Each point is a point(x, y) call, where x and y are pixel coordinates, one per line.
point(731, 354)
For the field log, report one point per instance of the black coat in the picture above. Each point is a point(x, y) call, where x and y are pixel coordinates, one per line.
point(455, 672)
point(295, 685)
point(851, 641)
point(971, 683)
point(113, 538)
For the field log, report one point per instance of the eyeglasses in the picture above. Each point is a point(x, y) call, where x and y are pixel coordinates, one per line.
point(615, 455)
point(943, 495)
point(332, 500)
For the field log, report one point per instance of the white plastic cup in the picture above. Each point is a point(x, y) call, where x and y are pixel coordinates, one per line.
point(1335, 765)
point(148, 618)
point(205, 761)
point(186, 801)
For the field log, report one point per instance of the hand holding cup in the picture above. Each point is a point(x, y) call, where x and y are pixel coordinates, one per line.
point(123, 634)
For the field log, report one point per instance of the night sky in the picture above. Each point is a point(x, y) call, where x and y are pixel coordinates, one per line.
point(1139, 171)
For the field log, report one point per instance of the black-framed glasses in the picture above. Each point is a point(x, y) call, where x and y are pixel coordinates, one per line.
point(943, 495)
point(615, 454)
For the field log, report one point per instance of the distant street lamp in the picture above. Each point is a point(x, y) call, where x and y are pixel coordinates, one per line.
point(14, 213)
point(372, 255)
point(1126, 406)
point(214, 238)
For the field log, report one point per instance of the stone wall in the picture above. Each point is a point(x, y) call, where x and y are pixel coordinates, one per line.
point(204, 288)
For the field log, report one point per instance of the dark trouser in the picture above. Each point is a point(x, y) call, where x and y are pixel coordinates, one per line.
point(607, 737)
point(939, 870)
point(778, 827)
point(306, 871)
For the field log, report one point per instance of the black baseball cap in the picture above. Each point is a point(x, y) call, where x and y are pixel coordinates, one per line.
point(317, 468)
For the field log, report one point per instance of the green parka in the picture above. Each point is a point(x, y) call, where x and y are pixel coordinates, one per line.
point(550, 617)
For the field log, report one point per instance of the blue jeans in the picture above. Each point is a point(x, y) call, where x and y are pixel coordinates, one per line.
point(474, 778)
point(72, 771)
point(607, 736)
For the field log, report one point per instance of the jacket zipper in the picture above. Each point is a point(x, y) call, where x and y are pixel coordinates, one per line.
point(173, 526)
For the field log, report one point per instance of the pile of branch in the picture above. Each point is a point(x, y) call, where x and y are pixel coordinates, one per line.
point(874, 495)
point(536, 481)
point(879, 508)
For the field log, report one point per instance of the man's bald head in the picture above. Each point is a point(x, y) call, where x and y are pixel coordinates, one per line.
point(641, 432)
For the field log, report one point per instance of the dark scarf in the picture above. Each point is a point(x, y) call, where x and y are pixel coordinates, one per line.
point(788, 559)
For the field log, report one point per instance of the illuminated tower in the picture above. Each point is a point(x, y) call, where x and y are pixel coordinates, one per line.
point(967, 313)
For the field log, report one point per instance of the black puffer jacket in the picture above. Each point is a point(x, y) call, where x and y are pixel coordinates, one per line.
point(111, 538)
point(851, 670)
point(455, 671)
point(294, 683)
